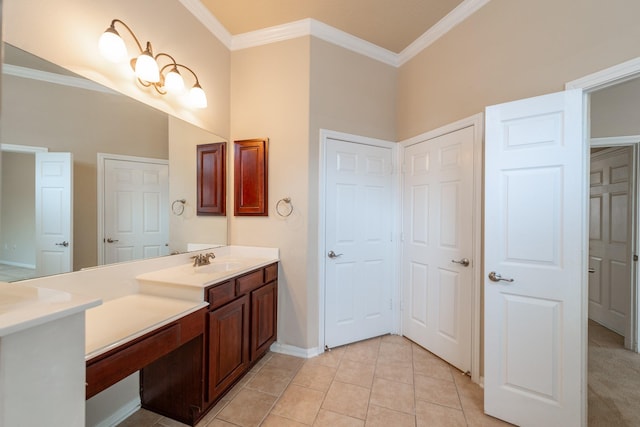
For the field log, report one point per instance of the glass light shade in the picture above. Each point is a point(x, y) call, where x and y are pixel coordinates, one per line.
point(173, 81)
point(147, 68)
point(111, 46)
point(197, 97)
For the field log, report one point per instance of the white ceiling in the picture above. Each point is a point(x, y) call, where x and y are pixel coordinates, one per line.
point(390, 24)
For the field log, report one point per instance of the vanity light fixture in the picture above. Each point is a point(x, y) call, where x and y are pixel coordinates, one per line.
point(165, 79)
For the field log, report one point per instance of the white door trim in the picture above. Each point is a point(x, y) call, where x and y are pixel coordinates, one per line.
point(102, 158)
point(477, 121)
point(326, 134)
point(631, 341)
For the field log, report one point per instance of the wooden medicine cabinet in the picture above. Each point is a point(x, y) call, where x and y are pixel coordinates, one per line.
point(212, 194)
point(250, 177)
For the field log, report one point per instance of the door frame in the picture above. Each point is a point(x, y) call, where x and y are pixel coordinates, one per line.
point(631, 337)
point(326, 134)
point(590, 83)
point(477, 122)
point(102, 158)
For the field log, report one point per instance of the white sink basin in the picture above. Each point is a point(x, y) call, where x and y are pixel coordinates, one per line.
point(218, 266)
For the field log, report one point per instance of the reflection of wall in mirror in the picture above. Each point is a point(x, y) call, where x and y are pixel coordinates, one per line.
point(188, 227)
point(84, 122)
point(17, 216)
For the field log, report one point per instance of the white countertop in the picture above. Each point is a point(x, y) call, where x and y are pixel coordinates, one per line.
point(23, 307)
point(124, 319)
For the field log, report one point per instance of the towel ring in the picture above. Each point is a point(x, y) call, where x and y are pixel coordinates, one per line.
point(287, 210)
point(177, 207)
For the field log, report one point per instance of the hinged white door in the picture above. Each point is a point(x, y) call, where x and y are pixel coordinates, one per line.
point(535, 223)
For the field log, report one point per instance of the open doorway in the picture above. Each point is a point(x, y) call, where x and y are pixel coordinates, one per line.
point(613, 310)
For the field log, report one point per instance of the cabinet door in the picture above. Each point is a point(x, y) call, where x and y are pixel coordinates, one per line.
point(228, 345)
point(212, 194)
point(250, 177)
point(263, 318)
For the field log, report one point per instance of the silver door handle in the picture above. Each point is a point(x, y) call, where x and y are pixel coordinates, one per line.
point(110, 240)
point(592, 270)
point(333, 255)
point(495, 277)
point(65, 244)
point(464, 262)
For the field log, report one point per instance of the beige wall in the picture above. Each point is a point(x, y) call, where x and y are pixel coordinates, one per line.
point(288, 91)
point(189, 227)
point(510, 50)
point(17, 232)
point(83, 122)
point(615, 111)
point(270, 99)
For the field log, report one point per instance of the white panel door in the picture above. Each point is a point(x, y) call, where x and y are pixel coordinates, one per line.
point(54, 213)
point(136, 210)
point(609, 246)
point(358, 278)
point(535, 268)
point(437, 247)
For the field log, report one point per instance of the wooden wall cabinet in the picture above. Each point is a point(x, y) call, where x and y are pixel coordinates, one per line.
point(251, 177)
point(212, 179)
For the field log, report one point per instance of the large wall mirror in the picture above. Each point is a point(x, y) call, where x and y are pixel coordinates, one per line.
point(46, 108)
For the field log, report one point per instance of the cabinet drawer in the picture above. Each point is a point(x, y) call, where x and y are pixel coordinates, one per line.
point(270, 273)
point(221, 294)
point(249, 282)
point(111, 369)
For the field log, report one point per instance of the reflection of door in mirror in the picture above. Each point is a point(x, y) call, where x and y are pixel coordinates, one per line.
point(133, 208)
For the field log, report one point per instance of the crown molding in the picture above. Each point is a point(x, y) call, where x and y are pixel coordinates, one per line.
point(59, 79)
point(207, 19)
point(446, 24)
point(311, 27)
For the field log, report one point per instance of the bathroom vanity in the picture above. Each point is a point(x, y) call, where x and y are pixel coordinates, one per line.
point(191, 331)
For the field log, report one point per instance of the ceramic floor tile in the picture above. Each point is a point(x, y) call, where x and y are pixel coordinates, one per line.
point(383, 417)
point(363, 351)
point(347, 399)
point(299, 403)
point(437, 391)
point(283, 361)
point(432, 415)
point(393, 395)
point(270, 380)
point(207, 419)
point(218, 423)
point(333, 419)
point(428, 364)
point(394, 371)
point(315, 376)
point(168, 422)
point(357, 373)
point(394, 352)
point(277, 421)
point(329, 358)
point(141, 417)
point(248, 408)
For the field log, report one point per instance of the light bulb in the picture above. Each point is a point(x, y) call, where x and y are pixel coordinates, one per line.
point(111, 45)
point(197, 97)
point(147, 67)
point(173, 81)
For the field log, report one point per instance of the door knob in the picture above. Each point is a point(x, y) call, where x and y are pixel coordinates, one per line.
point(592, 270)
point(333, 255)
point(65, 244)
point(110, 240)
point(464, 262)
point(495, 277)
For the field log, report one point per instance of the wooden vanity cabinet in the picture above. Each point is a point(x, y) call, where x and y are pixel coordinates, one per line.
point(239, 327)
point(239, 331)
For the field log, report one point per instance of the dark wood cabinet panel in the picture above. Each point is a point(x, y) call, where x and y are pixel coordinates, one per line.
point(264, 308)
point(251, 177)
point(228, 345)
point(212, 194)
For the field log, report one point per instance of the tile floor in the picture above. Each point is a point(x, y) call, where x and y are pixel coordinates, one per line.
point(385, 381)
point(10, 273)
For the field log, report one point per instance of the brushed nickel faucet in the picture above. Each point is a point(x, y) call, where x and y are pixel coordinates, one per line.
point(203, 259)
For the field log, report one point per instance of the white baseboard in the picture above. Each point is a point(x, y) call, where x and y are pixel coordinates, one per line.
point(291, 350)
point(18, 264)
point(121, 414)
